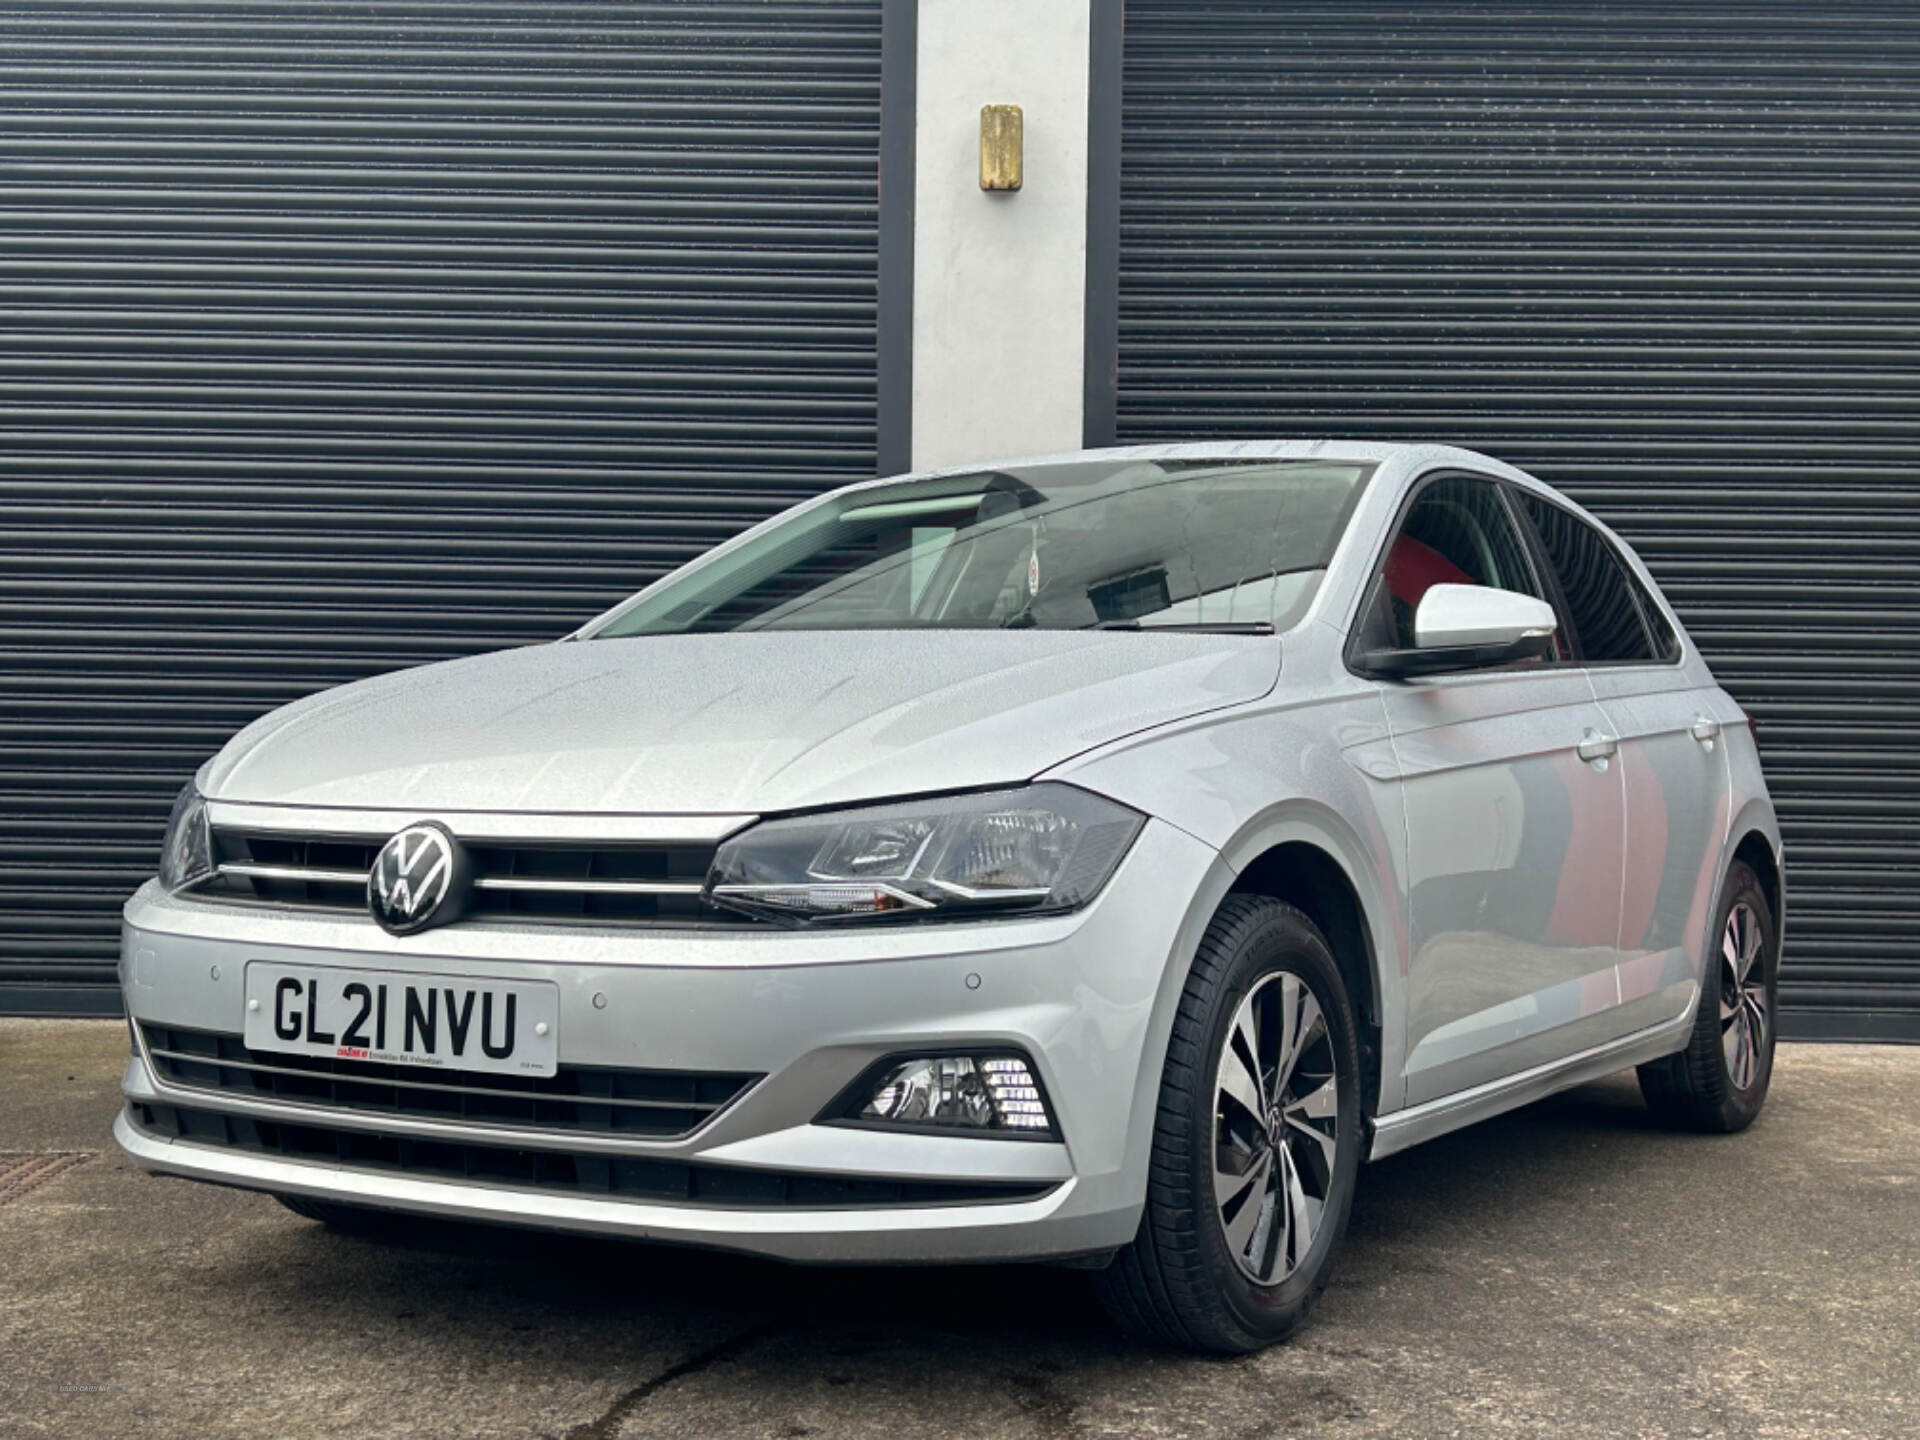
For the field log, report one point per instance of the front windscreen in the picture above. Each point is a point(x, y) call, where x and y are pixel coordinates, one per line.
point(1068, 546)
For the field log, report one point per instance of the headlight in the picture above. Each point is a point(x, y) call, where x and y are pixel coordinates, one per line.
point(187, 856)
point(1040, 848)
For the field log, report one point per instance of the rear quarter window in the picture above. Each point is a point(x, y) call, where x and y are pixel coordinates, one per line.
point(1666, 644)
point(1604, 600)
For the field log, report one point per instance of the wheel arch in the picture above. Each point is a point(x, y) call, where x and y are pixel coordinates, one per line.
point(1754, 836)
point(1757, 850)
point(1309, 857)
point(1307, 877)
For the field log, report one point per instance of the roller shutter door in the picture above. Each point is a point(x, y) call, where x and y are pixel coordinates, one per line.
point(341, 337)
point(1665, 255)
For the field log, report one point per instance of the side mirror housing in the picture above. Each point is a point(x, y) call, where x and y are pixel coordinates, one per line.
point(1468, 627)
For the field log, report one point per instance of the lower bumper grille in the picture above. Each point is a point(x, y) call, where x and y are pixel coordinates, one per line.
point(640, 1104)
point(567, 1173)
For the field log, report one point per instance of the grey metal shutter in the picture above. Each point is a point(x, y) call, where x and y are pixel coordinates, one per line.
point(1665, 255)
point(339, 337)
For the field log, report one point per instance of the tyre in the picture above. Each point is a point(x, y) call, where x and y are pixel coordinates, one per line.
point(1719, 1082)
point(347, 1219)
point(1256, 1144)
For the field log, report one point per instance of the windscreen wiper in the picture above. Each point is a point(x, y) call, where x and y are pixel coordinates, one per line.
point(1193, 627)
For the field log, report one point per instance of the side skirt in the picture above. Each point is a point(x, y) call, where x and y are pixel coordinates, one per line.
point(1404, 1128)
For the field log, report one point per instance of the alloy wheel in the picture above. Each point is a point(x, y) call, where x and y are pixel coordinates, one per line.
point(1276, 1112)
point(1743, 996)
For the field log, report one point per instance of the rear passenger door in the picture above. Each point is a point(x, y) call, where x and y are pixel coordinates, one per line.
point(1671, 760)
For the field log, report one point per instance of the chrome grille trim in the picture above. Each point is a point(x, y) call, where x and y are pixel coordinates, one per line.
point(314, 876)
point(587, 887)
point(640, 881)
point(250, 871)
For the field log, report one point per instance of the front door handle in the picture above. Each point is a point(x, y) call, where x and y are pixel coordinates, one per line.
point(1595, 746)
point(1705, 731)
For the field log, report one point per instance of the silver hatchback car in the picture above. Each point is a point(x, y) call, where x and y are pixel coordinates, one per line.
point(1092, 858)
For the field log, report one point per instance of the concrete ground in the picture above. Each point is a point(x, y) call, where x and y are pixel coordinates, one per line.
point(1565, 1271)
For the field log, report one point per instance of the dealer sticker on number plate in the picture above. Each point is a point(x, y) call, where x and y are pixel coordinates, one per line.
point(450, 1022)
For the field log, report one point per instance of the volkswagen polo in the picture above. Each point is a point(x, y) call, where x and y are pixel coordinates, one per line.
point(1092, 858)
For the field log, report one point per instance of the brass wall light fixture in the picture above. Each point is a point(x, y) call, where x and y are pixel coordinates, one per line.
point(1000, 127)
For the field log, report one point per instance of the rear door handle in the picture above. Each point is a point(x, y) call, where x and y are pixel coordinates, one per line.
point(1595, 746)
point(1705, 731)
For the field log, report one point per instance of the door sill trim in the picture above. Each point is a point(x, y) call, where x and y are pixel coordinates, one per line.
point(1404, 1128)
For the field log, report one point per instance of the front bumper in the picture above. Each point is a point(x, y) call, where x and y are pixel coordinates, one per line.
point(1088, 997)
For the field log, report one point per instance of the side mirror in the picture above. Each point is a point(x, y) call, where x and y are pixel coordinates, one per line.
point(1468, 627)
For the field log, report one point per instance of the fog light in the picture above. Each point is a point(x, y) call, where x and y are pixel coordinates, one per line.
point(978, 1093)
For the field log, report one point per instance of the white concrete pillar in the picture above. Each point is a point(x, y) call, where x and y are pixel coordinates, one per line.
point(999, 319)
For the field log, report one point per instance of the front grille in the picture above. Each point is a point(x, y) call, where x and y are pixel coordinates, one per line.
point(581, 1099)
point(568, 1173)
point(618, 883)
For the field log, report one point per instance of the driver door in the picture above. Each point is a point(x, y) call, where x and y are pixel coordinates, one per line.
point(1515, 838)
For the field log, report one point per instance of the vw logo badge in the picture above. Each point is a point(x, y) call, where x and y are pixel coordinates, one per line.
point(419, 878)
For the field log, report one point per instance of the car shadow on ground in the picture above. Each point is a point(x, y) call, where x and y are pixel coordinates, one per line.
point(1403, 1205)
point(669, 1341)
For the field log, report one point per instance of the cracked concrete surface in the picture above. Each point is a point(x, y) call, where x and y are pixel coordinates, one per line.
point(1566, 1271)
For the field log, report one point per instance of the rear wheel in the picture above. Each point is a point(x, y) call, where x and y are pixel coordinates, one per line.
point(1256, 1143)
point(1719, 1082)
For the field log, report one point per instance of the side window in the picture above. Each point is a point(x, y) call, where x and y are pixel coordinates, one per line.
point(1666, 645)
point(1599, 589)
point(1458, 531)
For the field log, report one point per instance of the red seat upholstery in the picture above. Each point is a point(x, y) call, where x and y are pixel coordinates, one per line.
point(1413, 568)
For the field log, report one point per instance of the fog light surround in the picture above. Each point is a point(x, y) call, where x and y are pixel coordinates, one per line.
point(990, 1094)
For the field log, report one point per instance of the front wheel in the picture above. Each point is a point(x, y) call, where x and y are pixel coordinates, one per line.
point(1256, 1145)
point(1719, 1082)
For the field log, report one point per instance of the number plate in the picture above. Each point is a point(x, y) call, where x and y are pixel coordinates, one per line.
point(448, 1022)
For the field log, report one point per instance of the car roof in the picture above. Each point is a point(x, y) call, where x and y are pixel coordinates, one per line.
point(1407, 455)
point(1399, 460)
